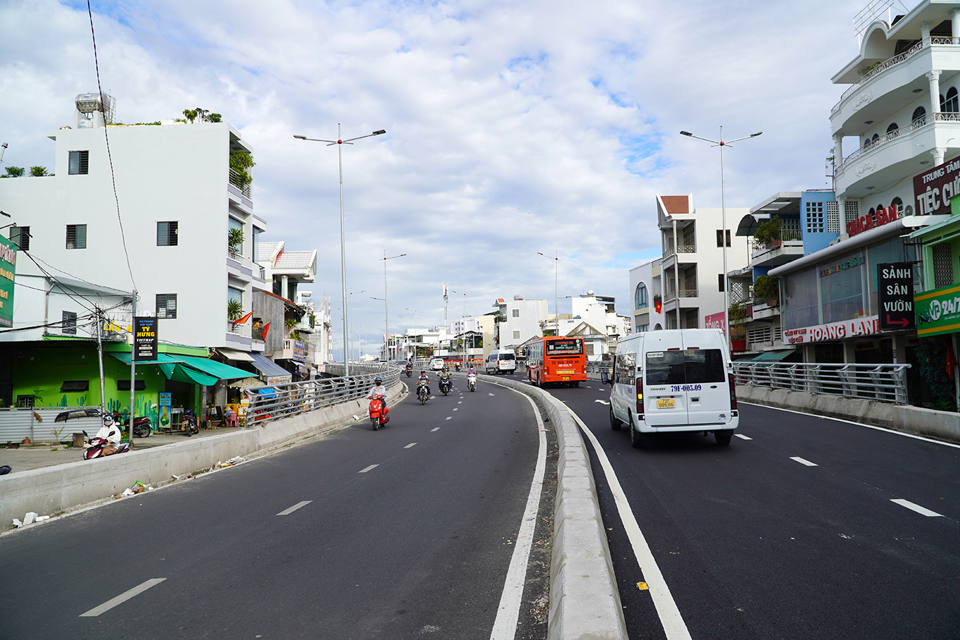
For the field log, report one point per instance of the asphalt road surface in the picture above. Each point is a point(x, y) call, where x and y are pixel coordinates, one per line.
point(803, 527)
point(406, 532)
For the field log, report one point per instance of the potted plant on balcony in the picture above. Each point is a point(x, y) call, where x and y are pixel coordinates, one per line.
point(737, 315)
point(769, 233)
point(234, 310)
point(234, 240)
point(767, 288)
point(240, 161)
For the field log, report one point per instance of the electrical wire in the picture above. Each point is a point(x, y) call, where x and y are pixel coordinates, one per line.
point(106, 138)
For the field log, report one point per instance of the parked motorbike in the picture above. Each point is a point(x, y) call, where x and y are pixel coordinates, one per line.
point(106, 442)
point(191, 424)
point(141, 425)
point(378, 412)
point(472, 382)
point(423, 393)
point(445, 386)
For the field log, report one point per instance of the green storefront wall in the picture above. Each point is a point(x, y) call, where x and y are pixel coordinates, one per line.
point(42, 369)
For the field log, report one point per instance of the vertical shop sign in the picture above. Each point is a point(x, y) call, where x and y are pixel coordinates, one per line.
point(8, 269)
point(895, 295)
point(145, 338)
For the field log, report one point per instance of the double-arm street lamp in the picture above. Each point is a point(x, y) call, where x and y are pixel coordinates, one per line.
point(723, 213)
point(386, 314)
point(343, 255)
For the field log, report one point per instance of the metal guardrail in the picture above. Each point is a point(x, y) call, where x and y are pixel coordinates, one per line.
point(294, 398)
point(883, 383)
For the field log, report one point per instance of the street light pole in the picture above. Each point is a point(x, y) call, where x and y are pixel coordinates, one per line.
point(386, 314)
point(723, 220)
point(556, 307)
point(343, 253)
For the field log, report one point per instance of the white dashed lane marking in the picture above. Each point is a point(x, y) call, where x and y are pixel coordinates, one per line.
point(435, 429)
point(742, 437)
point(448, 417)
point(412, 444)
point(803, 462)
point(120, 599)
point(299, 505)
point(915, 507)
point(370, 468)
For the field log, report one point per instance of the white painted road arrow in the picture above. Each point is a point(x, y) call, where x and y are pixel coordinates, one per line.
point(602, 402)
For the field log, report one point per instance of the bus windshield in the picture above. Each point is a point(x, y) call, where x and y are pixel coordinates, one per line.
point(564, 347)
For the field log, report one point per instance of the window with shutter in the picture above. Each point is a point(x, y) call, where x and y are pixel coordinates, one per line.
point(167, 233)
point(69, 323)
point(167, 305)
point(76, 236)
point(79, 163)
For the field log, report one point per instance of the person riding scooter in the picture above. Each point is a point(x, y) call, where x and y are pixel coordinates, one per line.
point(380, 391)
point(444, 379)
point(424, 380)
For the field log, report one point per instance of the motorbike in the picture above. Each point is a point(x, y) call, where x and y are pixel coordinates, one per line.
point(191, 424)
point(408, 371)
point(445, 386)
point(141, 425)
point(378, 412)
point(423, 393)
point(105, 443)
point(472, 382)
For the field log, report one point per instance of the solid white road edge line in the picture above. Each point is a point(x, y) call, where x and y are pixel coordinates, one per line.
point(508, 611)
point(803, 462)
point(120, 599)
point(299, 505)
point(859, 424)
point(673, 625)
point(915, 507)
point(370, 468)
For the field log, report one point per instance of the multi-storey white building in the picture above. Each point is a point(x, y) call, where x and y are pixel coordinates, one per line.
point(519, 320)
point(646, 286)
point(692, 272)
point(165, 199)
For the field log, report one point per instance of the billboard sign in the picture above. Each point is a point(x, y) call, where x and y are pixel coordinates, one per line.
point(895, 295)
point(833, 331)
point(935, 188)
point(145, 338)
point(8, 269)
point(938, 311)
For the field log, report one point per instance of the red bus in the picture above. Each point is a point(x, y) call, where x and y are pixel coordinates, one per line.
point(556, 359)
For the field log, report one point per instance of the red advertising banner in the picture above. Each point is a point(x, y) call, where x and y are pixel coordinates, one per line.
point(933, 189)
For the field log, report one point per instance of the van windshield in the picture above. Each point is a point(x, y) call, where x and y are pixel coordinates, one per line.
point(690, 366)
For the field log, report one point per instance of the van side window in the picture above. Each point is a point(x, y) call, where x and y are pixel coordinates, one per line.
point(704, 365)
point(626, 366)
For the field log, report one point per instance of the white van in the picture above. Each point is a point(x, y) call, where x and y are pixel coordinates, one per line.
point(674, 380)
point(501, 361)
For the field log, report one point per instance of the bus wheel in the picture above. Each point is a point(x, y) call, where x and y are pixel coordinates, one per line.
point(614, 423)
point(576, 383)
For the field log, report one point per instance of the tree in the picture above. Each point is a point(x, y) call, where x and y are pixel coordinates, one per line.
point(200, 114)
point(38, 171)
point(14, 172)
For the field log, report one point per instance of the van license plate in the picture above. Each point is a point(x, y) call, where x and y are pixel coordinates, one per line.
point(665, 403)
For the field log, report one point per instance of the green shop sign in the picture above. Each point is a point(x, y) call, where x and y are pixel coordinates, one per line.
point(8, 267)
point(938, 311)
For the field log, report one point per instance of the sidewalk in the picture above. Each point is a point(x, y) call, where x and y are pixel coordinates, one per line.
point(28, 457)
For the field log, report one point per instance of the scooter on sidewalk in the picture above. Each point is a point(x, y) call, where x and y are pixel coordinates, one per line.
point(472, 382)
point(378, 412)
point(106, 442)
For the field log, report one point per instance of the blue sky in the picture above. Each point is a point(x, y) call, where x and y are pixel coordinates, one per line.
point(513, 127)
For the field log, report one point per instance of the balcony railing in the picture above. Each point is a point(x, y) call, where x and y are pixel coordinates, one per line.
point(874, 71)
point(893, 135)
point(237, 182)
point(681, 293)
point(681, 248)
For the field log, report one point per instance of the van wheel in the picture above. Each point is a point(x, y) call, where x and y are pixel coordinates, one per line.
point(723, 437)
point(614, 423)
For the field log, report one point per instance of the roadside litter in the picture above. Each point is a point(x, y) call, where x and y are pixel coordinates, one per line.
point(138, 487)
point(28, 519)
point(228, 463)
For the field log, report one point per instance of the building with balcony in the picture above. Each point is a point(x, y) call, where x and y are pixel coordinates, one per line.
point(518, 320)
point(152, 212)
point(691, 269)
point(896, 133)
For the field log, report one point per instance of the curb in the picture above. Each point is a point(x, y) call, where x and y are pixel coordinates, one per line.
point(584, 598)
point(54, 490)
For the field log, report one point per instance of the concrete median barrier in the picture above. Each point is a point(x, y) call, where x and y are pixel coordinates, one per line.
point(56, 489)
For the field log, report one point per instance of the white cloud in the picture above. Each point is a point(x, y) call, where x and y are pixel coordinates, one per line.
point(512, 127)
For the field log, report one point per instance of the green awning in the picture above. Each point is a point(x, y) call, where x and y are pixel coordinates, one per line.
point(773, 356)
point(216, 369)
point(186, 374)
point(124, 357)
